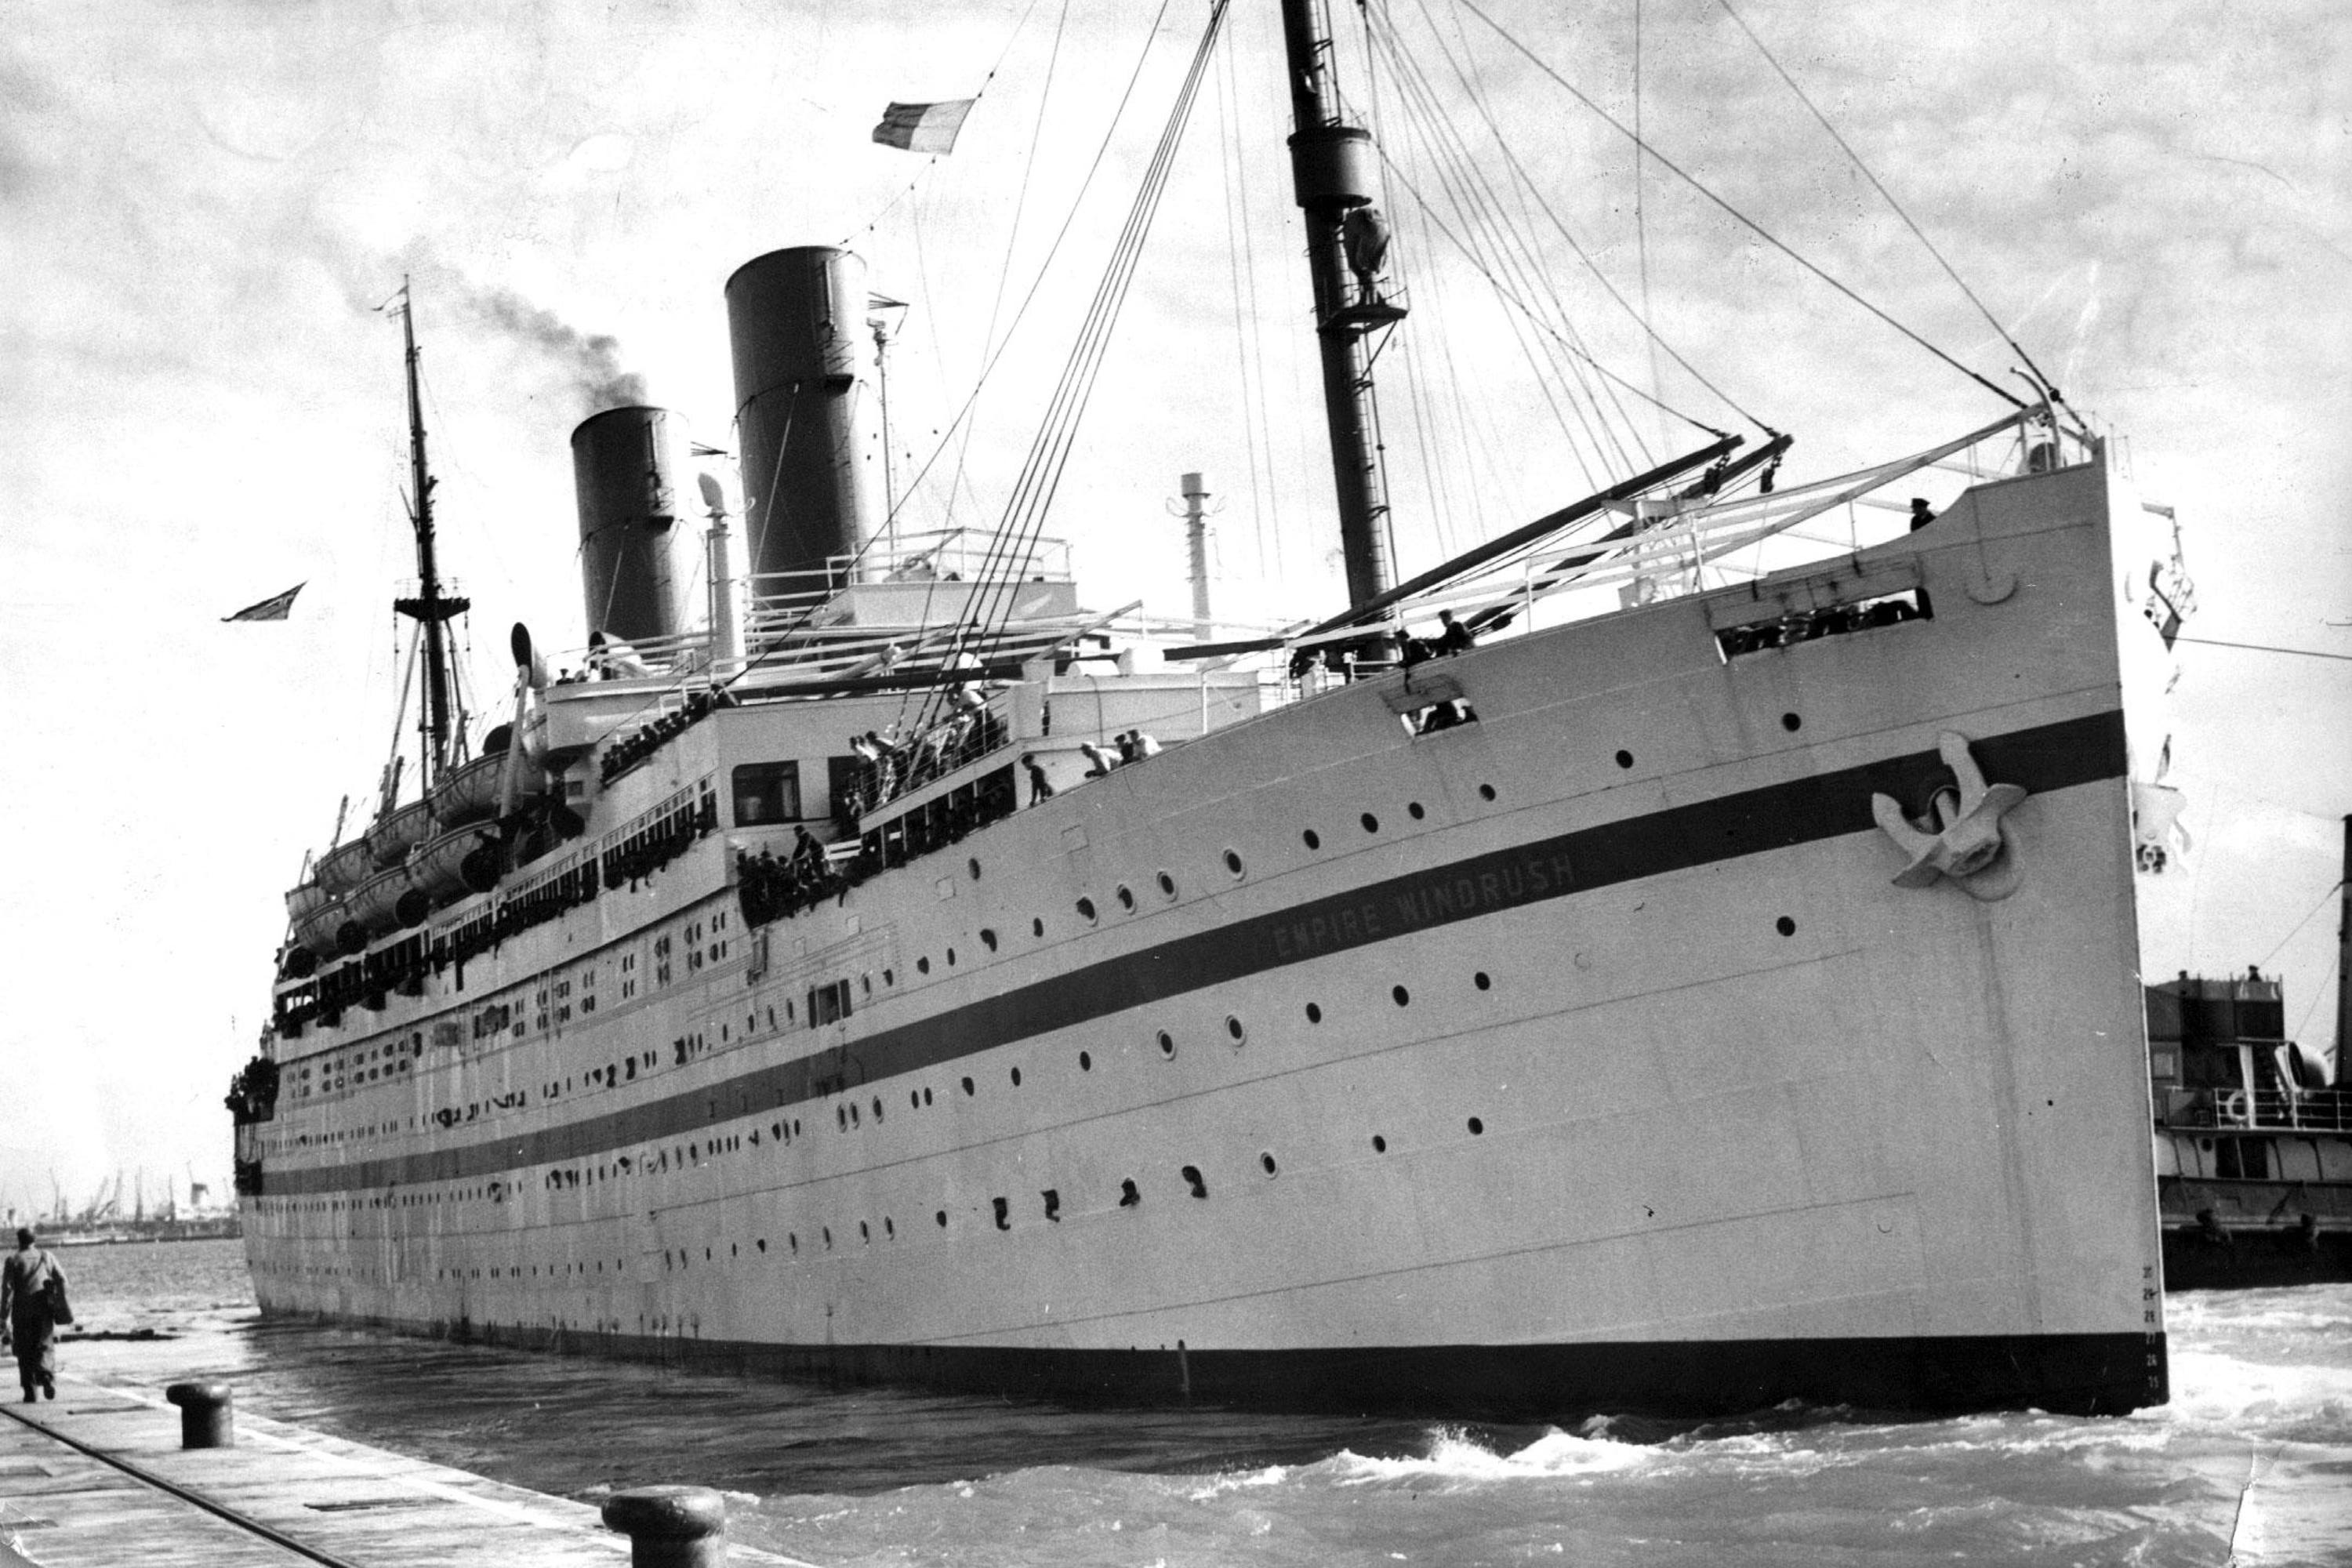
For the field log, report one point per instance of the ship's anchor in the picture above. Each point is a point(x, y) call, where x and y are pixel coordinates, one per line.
point(1967, 846)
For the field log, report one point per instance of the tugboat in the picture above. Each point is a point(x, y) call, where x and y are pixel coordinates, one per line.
point(2253, 1143)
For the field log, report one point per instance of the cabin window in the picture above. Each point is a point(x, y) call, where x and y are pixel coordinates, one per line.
point(767, 793)
point(2247, 1158)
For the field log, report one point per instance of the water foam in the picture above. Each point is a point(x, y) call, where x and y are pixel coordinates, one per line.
point(1454, 1456)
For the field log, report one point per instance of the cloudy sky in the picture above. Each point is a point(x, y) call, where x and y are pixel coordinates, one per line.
point(204, 204)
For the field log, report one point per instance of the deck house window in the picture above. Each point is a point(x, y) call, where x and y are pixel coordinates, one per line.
point(767, 793)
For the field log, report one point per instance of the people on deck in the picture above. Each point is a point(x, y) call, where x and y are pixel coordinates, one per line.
point(1920, 514)
point(1040, 787)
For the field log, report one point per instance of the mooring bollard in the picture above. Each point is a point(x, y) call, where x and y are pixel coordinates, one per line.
point(670, 1527)
point(207, 1414)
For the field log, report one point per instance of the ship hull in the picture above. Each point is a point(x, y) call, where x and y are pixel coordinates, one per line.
point(1584, 1056)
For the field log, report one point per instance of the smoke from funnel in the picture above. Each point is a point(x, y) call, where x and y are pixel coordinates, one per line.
point(590, 360)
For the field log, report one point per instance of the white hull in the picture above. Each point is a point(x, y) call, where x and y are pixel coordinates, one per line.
point(1631, 1077)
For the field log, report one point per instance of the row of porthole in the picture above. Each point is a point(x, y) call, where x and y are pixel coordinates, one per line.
point(1001, 1208)
point(1371, 824)
point(1130, 1197)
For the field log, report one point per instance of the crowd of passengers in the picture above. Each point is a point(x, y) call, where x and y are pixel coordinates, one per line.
point(1802, 626)
point(887, 767)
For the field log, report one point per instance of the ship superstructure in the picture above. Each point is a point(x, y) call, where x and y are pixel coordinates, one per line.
point(891, 971)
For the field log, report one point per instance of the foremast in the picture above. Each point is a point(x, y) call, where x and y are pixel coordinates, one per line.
point(1331, 167)
point(431, 609)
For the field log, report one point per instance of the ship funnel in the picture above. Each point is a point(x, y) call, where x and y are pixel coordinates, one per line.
point(635, 573)
point(797, 322)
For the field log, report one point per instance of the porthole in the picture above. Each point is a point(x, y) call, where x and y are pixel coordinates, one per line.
point(1086, 1061)
point(987, 939)
point(1167, 885)
point(1314, 1012)
point(1266, 1163)
point(967, 1086)
point(1624, 759)
point(1486, 792)
point(1016, 1078)
point(951, 958)
point(914, 1100)
point(1477, 1127)
point(1314, 839)
point(1379, 1144)
point(1234, 1027)
point(1371, 824)
point(889, 977)
point(1037, 928)
point(1167, 1044)
point(942, 1219)
point(1785, 926)
point(1482, 980)
point(1403, 997)
point(927, 1096)
point(1126, 898)
point(1413, 809)
point(923, 965)
point(1234, 862)
point(1086, 910)
point(1791, 722)
point(973, 866)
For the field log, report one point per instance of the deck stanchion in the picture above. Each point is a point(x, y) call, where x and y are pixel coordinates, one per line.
point(670, 1527)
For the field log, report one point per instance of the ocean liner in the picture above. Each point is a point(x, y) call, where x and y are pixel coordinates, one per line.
point(875, 966)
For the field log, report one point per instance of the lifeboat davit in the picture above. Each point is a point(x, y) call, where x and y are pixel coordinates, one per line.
point(395, 834)
point(344, 867)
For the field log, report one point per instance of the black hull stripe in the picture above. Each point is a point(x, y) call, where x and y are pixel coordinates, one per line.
point(1775, 816)
point(2082, 1374)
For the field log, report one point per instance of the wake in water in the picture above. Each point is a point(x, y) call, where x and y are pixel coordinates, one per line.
point(2248, 1464)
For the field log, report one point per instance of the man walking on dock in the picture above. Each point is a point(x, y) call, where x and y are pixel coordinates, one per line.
point(30, 1284)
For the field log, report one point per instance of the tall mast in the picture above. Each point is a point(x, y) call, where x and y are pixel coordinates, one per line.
point(2344, 962)
point(429, 608)
point(1331, 167)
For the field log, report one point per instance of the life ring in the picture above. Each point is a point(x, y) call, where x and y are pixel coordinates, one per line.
point(2233, 1108)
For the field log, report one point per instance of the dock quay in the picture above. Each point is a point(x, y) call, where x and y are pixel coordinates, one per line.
point(97, 1479)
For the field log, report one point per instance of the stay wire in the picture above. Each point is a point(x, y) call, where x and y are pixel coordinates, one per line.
point(1641, 318)
point(1481, 212)
point(979, 384)
point(1040, 478)
point(1750, 224)
point(1454, 186)
point(1524, 187)
point(1888, 196)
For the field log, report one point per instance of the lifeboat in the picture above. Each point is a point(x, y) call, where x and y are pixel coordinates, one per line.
point(462, 861)
point(471, 792)
point(395, 834)
point(374, 906)
point(316, 929)
point(344, 867)
point(306, 899)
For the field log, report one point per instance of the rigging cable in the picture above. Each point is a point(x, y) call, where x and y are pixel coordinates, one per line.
point(1657, 340)
point(1480, 211)
point(1641, 217)
point(1011, 241)
point(980, 383)
point(1750, 224)
point(1897, 206)
point(1524, 186)
point(1041, 473)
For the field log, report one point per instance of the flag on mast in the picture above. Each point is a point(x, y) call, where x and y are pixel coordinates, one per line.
point(273, 608)
point(923, 127)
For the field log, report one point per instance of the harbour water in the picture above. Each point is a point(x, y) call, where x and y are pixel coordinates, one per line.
point(2251, 1463)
